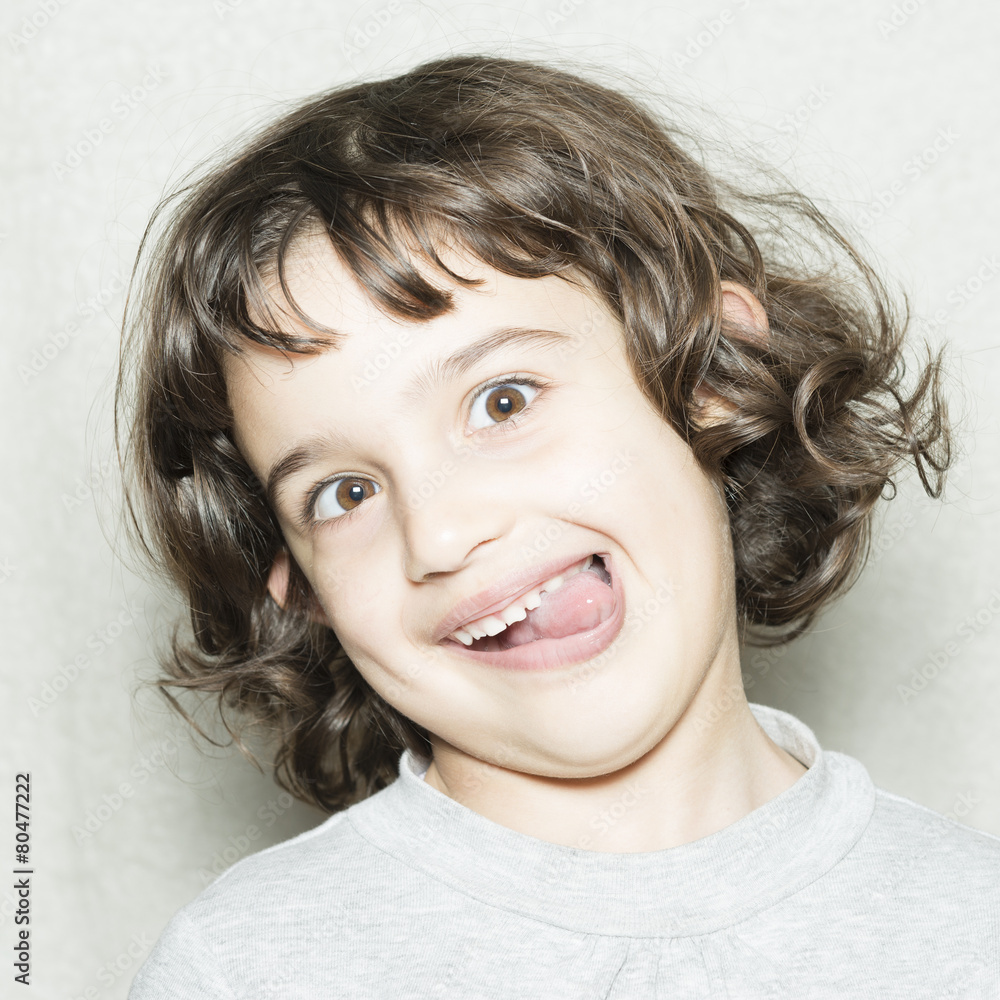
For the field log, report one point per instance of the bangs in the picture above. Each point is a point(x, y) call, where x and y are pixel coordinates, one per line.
point(382, 244)
point(388, 184)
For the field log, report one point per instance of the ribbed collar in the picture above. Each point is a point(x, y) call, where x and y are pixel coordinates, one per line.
point(695, 888)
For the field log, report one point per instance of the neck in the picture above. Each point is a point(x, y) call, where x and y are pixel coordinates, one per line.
point(714, 766)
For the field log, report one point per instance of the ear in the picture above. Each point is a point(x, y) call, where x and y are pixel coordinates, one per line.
point(277, 586)
point(742, 309)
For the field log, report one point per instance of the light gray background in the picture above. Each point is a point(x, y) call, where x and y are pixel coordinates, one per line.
point(884, 81)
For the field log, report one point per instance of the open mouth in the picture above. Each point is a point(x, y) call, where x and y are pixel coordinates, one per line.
point(567, 618)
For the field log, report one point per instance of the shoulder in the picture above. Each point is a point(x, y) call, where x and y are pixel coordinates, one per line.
point(278, 901)
point(916, 849)
point(929, 835)
point(933, 886)
point(331, 867)
point(921, 885)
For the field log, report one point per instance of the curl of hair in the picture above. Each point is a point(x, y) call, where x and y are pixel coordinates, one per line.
point(537, 172)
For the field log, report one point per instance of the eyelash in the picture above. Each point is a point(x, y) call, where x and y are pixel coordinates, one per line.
point(496, 383)
point(307, 517)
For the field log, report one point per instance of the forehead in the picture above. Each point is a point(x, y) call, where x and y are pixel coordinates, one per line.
point(323, 287)
point(374, 353)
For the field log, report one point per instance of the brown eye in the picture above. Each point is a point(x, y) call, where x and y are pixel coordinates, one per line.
point(342, 495)
point(350, 492)
point(505, 402)
point(498, 403)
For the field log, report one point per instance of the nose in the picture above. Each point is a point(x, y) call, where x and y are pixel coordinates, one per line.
point(446, 516)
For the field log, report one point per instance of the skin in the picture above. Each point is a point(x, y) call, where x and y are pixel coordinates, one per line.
point(649, 746)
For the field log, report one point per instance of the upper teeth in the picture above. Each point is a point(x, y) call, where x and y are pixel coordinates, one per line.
point(517, 610)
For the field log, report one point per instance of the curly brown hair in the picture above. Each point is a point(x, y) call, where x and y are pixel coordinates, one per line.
point(536, 171)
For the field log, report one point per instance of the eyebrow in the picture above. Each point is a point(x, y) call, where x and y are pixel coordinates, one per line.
point(308, 451)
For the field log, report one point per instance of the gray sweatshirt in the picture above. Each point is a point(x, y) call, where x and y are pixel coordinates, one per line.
point(832, 889)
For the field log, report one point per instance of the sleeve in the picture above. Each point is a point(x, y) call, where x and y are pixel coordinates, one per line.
point(181, 966)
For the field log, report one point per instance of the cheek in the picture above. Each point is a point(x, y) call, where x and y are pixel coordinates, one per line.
point(361, 612)
point(594, 459)
point(353, 588)
point(701, 558)
point(675, 528)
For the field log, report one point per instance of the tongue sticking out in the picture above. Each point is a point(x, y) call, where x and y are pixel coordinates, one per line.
point(580, 604)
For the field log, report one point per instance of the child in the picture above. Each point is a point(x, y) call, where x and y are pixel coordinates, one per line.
point(478, 433)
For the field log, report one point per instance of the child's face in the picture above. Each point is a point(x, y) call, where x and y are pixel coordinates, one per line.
point(447, 497)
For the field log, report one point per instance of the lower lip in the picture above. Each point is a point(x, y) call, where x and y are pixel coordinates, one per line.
point(550, 654)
